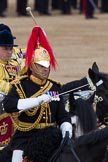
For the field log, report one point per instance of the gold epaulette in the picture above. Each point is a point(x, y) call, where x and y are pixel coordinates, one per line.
point(17, 80)
point(54, 81)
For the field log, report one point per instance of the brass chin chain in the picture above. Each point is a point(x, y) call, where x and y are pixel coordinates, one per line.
point(34, 67)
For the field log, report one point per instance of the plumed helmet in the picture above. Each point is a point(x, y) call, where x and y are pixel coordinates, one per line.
point(6, 39)
point(41, 57)
point(39, 49)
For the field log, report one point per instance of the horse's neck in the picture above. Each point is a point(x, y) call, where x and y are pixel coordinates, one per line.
point(78, 129)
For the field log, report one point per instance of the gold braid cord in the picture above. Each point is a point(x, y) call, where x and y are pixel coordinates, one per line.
point(47, 86)
point(44, 106)
point(33, 125)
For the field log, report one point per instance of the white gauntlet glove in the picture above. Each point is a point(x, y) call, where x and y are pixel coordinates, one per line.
point(66, 127)
point(45, 98)
point(29, 103)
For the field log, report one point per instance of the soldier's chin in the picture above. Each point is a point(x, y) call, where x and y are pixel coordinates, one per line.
point(43, 77)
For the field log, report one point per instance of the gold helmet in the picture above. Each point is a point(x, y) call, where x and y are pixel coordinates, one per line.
point(39, 49)
point(41, 57)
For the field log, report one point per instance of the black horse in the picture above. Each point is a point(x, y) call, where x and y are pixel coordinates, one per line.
point(96, 81)
point(101, 94)
point(90, 147)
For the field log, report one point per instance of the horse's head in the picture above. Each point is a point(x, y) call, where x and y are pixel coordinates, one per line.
point(100, 81)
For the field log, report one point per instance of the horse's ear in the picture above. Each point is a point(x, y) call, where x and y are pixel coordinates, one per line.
point(95, 67)
point(93, 75)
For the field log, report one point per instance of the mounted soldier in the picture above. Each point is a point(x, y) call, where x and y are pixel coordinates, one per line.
point(35, 99)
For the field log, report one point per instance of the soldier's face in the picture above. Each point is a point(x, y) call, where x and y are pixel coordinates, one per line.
point(6, 53)
point(40, 71)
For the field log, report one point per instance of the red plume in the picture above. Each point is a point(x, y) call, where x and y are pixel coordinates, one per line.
point(38, 37)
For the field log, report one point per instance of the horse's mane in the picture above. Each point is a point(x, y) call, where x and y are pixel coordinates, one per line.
point(85, 112)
